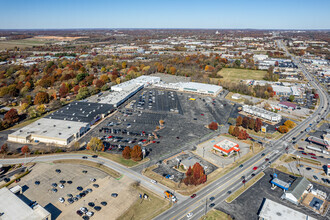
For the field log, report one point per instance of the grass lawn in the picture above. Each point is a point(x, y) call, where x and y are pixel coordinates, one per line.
point(235, 75)
point(236, 194)
point(105, 169)
point(119, 159)
point(216, 215)
point(21, 43)
point(229, 97)
point(147, 208)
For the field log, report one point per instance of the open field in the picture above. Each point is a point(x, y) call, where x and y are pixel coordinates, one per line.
point(241, 190)
point(21, 43)
point(147, 208)
point(235, 75)
point(107, 170)
point(216, 215)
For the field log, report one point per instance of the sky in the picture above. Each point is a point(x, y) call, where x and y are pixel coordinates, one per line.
point(214, 14)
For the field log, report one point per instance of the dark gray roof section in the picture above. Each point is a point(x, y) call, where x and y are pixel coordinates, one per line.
point(81, 111)
point(298, 187)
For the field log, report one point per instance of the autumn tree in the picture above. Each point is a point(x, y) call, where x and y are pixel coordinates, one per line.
point(126, 152)
point(25, 149)
point(136, 153)
point(239, 121)
point(213, 126)
point(173, 70)
point(11, 116)
point(283, 129)
point(124, 65)
point(236, 131)
point(251, 123)
point(64, 90)
point(41, 98)
point(4, 149)
point(231, 129)
point(99, 83)
point(258, 124)
point(289, 124)
point(195, 176)
point(245, 122)
point(95, 144)
point(83, 93)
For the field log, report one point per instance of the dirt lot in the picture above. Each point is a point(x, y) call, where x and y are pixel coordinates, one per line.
point(45, 173)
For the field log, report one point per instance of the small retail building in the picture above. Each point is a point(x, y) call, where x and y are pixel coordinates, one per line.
point(13, 208)
point(296, 190)
point(271, 210)
point(226, 147)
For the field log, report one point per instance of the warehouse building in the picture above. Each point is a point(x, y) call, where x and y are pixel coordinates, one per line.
point(88, 112)
point(271, 210)
point(286, 90)
point(262, 113)
point(226, 147)
point(295, 192)
point(50, 131)
point(12, 207)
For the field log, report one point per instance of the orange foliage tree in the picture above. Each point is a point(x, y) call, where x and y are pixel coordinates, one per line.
point(195, 176)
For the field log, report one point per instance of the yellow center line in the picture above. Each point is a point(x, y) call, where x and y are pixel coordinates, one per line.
point(232, 179)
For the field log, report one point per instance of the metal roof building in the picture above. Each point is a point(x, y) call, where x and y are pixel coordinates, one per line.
point(296, 190)
point(88, 112)
point(13, 208)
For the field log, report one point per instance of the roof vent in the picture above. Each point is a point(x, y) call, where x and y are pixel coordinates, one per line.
point(50, 117)
point(76, 103)
point(73, 114)
point(64, 119)
point(38, 123)
point(89, 104)
point(20, 131)
point(69, 127)
point(54, 125)
point(60, 133)
point(278, 213)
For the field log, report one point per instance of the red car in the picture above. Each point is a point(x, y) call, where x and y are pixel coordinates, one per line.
point(202, 114)
point(304, 153)
point(193, 196)
point(267, 159)
point(313, 157)
point(312, 154)
point(300, 148)
point(255, 168)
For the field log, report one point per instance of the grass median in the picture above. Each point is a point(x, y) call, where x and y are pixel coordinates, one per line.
point(216, 215)
point(146, 208)
point(241, 190)
point(105, 169)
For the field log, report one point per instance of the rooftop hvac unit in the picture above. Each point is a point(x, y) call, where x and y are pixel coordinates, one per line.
point(76, 103)
point(67, 108)
point(50, 117)
point(64, 119)
point(101, 105)
point(20, 131)
point(69, 127)
point(89, 104)
point(81, 109)
point(54, 125)
point(38, 123)
point(60, 133)
point(73, 114)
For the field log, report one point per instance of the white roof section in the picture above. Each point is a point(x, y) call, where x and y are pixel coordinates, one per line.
point(274, 211)
point(226, 144)
point(46, 127)
point(193, 87)
point(13, 207)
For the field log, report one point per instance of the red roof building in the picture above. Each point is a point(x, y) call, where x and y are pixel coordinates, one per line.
point(226, 147)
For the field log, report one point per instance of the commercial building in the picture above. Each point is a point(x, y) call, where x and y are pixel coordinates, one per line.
point(295, 192)
point(193, 87)
point(285, 90)
point(275, 211)
point(226, 147)
point(88, 112)
point(262, 113)
point(190, 162)
point(287, 105)
point(123, 91)
point(13, 208)
point(50, 131)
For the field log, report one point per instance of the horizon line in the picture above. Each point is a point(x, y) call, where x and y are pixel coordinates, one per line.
point(267, 29)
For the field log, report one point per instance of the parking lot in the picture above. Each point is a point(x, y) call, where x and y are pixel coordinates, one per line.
point(134, 124)
point(39, 186)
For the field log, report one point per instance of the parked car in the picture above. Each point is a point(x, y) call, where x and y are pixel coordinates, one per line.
point(91, 204)
point(80, 213)
point(61, 200)
point(84, 209)
point(315, 177)
point(92, 179)
point(37, 183)
point(90, 214)
point(58, 171)
point(96, 185)
point(104, 203)
point(314, 157)
point(114, 195)
point(153, 181)
point(84, 157)
point(97, 208)
point(70, 200)
point(54, 184)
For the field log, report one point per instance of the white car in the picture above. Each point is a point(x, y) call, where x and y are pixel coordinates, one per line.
point(61, 200)
point(61, 186)
point(90, 214)
point(153, 181)
point(189, 215)
point(93, 179)
point(171, 177)
point(83, 209)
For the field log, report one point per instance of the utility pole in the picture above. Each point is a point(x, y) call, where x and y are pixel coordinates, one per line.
point(205, 206)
